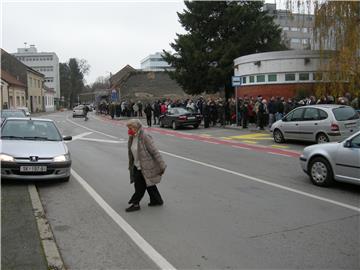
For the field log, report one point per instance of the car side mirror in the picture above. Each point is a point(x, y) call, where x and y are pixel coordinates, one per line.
point(67, 138)
point(27, 114)
point(284, 119)
point(347, 144)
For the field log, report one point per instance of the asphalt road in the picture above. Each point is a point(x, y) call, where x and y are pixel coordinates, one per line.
point(228, 205)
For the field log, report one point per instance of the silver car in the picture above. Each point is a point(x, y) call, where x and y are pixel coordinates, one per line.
point(33, 149)
point(333, 161)
point(317, 123)
point(78, 111)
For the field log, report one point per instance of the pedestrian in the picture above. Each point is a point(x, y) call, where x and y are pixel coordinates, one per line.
point(148, 112)
point(146, 166)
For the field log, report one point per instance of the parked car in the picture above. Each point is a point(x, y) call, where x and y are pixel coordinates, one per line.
point(33, 149)
point(11, 113)
point(25, 110)
point(317, 123)
point(180, 117)
point(78, 111)
point(338, 161)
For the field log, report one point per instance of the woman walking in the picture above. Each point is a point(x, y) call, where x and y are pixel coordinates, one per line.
point(146, 166)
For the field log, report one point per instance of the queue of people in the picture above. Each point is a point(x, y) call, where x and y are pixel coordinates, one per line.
point(220, 112)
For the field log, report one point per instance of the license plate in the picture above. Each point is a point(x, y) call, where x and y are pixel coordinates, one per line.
point(33, 168)
point(191, 118)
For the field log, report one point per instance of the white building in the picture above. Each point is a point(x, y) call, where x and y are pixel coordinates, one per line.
point(46, 63)
point(155, 62)
point(297, 29)
point(280, 73)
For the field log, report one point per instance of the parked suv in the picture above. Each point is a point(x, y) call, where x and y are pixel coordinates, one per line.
point(317, 123)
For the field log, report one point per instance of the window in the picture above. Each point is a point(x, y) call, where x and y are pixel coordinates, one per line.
point(285, 28)
point(311, 114)
point(272, 77)
point(260, 78)
point(322, 114)
point(295, 29)
point(355, 142)
point(304, 30)
point(297, 115)
point(295, 40)
point(31, 82)
point(345, 113)
point(17, 101)
point(290, 77)
point(243, 79)
point(38, 83)
point(252, 79)
point(305, 41)
point(304, 76)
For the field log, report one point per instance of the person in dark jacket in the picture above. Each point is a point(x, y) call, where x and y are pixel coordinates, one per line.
point(148, 112)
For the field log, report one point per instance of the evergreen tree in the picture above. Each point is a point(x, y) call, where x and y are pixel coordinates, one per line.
point(217, 33)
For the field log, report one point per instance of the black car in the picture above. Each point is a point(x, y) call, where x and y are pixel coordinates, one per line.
point(180, 117)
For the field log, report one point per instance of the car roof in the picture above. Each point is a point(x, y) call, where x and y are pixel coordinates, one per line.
point(29, 118)
point(330, 106)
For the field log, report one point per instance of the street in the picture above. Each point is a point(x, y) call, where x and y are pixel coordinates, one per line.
point(229, 203)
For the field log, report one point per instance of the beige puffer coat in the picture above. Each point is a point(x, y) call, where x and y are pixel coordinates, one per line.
point(151, 163)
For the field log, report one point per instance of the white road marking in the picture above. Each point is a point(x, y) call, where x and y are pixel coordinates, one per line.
point(278, 154)
point(76, 137)
point(113, 137)
point(240, 147)
point(100, 140)
point(357, 209)
point(156, 257)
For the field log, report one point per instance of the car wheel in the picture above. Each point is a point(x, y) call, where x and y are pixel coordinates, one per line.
point(320, 172)
point(322, 138)
point(278, 136)
point(161, 123)
point(173, 125)
point(196, 125)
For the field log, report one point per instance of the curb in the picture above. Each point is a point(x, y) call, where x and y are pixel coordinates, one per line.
point(48, 243)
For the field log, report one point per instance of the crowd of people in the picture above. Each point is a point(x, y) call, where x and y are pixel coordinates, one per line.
point(217, 111)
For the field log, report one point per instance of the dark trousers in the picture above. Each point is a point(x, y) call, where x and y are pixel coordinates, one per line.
point(148, 120)
point(140, 188)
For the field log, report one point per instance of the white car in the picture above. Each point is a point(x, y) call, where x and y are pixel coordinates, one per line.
point(78, 111)
point(338, 161)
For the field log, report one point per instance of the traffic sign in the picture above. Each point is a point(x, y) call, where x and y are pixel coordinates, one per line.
point(236, 80)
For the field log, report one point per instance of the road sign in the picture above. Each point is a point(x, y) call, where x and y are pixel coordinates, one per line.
point(114, 95)
point(236, 80)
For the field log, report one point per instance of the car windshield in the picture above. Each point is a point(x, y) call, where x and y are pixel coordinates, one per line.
point(182, 111)
point(345, 113)
point(30, 130)
point(6, 114)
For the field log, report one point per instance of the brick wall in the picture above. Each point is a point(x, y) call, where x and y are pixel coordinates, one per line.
point(269, 90)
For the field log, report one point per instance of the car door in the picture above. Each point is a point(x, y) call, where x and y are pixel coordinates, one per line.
point(169, 117)
point(310, 124)
point(347, 167)
point(290, 126)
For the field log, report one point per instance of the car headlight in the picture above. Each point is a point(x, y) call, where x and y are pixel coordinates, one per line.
point(61, 158)
point(7, 158)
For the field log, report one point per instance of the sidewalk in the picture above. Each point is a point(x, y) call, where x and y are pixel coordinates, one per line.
point(20, 240)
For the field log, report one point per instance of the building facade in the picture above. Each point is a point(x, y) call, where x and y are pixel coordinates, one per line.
point(155, 62)
point(279, 73)
point(35, 90)
point(46, 63)
point(13, 92)
point(297, 29)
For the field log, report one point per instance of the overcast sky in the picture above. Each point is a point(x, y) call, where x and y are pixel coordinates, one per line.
point(108, 35)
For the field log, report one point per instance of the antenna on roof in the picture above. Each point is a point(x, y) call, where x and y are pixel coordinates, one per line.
point(25, 44)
